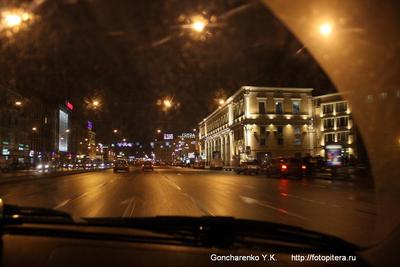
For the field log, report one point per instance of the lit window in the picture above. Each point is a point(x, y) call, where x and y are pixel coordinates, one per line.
point(327, 108)
point(278, 107)
point(296, 107)
point(261, 107)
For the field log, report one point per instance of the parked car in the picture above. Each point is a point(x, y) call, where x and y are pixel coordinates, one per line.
point(216, 164)
point(248, 167)
point(285, 167)
point(147, 165)
point(4, 166)
point(177, 163)
point(199, 165)
point(121, 165)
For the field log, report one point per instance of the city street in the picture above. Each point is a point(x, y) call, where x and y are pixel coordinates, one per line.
point(339, 208)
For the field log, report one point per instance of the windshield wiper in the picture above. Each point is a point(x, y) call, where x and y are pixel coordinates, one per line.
point(13, 214)
point(228, 232)
point(218, 231)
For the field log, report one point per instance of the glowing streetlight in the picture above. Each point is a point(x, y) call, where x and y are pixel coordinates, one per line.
point(167, 103)
point(12, 20)
point(198, 26)
point(325, 29)
point(124, 140)
point(158, 130)
point(115, 131)
point(221, 101)
point(18, 103)
point(67, 131)
point(96, 103)
point(34, 129)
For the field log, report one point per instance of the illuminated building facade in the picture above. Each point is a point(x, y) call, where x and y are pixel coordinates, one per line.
point(334, 125)
point(259, 121)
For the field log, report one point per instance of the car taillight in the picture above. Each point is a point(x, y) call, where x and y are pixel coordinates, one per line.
point(303, 167)
point(283, 167)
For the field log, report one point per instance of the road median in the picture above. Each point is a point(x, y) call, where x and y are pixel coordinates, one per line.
point(10, 178)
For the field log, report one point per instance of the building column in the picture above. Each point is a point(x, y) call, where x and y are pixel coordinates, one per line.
point(227, 157)
point(222, 148)
point(231, 147)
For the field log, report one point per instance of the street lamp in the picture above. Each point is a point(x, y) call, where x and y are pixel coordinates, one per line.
point(167, 103)
point(18, 103)
point(158, 130)
point(34, 129)
point(15, 18)
point(96, 103)
point(115, 131)
point(198, 26)
point(221, 101)
point(12, 20)
point(67, 131)
point(198, 23)
point(325, 29)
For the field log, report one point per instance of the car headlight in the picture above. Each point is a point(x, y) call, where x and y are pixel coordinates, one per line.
point(46, 166)
point(39, 166)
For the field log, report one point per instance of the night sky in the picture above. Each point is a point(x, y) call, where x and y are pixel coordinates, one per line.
point(129, 54)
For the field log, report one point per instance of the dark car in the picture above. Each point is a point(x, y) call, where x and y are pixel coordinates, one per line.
point(285, 167)
point(248, 167)
point(121, 165)
point(147, 165)
point(199, 165)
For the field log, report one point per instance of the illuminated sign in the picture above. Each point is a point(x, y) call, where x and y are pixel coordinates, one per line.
point(90, 125)
point(69, 105)
point(168, 136)
point(62, 130)
point(124, 144)
point(333, 155)
point(188, 136)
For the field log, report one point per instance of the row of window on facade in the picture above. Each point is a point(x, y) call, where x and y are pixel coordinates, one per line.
point(342, 121)
point(334, 137)
point(262, 107)
point(218, 122)
point(278, 132)
point(331, 107)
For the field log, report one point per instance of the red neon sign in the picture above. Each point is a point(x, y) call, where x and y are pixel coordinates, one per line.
point(69, 105)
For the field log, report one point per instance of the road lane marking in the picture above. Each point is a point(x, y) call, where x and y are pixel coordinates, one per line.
point(200, 206)
point(311, 200)
point(62, 204)
point(130, 208)
point(250, 201)
point(173, 184)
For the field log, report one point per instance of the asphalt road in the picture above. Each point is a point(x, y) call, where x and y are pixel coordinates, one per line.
point(339, 208)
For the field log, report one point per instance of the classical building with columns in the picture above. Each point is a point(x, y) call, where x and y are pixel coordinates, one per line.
point(256, 121)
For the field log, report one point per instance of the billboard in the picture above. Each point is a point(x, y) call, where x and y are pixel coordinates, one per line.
point(62, 131)
point(333, 155)
point(168, 136)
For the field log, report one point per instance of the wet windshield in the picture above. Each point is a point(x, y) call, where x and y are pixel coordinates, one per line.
point(202, 90)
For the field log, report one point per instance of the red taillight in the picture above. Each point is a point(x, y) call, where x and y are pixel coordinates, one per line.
point(303, 167)
point(283, 167)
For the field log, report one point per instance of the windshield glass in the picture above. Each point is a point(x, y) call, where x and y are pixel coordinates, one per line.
point(202, 89)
